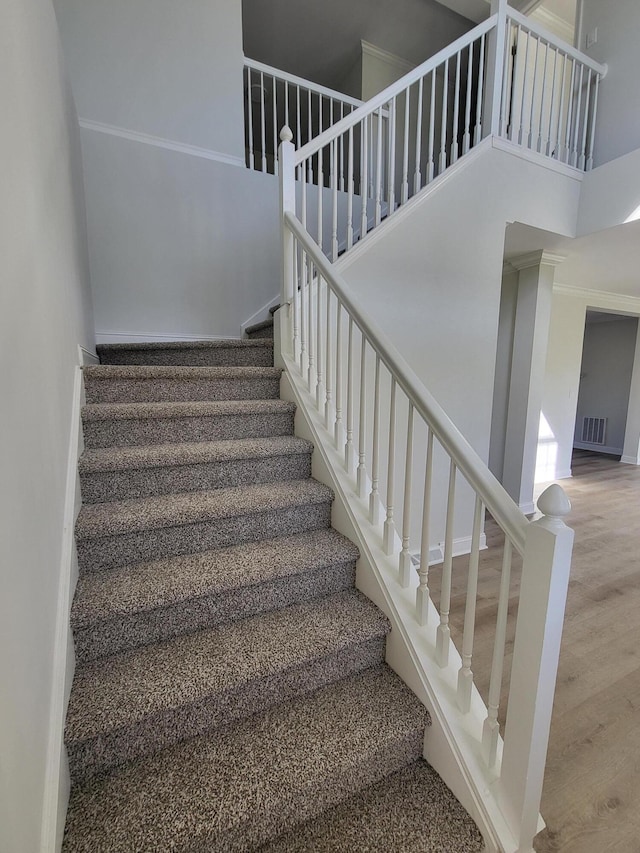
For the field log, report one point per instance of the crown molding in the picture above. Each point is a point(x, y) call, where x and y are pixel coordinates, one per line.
point(536, 259)
point(601, 298)
point(387, 56)
point(563, 29)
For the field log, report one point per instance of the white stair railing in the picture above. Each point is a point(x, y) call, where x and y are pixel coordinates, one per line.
point(382, 420)
point(273, 98)
point(542, 97)
point(549, 94)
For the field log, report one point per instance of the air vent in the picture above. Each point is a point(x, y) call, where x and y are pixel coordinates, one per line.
point(594, 430)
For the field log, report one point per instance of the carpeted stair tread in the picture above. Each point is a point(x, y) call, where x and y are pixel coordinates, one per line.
point(188, 453)
point(131, 383)
point(161, 583)
point(411, 811)
point(232, 351)
point(266, 773)
point(121, 517)
point(258, 327)
point(118, 692)
point(192, 409)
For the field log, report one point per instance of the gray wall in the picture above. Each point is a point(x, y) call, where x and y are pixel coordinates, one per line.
point(45, 312)
point(605, 376)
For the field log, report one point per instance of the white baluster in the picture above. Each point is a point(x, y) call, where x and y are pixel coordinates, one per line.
point(295, 306)
point(443, 634)
point(362, 468)
point(532, 132)
point(338, 431)
point(374, 498)
point(504, 100)
point(274, 118)
point(309, 134)
point(442, 162)
point(378, 196)
point(389, 527)
point(491, 727)
point(542, 98)
point(583, 149)
point(263, 128)
point(405, 564)
point(286, 102)
point(569, 125)
point(391, 170)
point(593, 124)
point(303, 316)
point(350, 191)
point(250, 116)
point(417, 178)
point(328, 405)
point(319, 380)
point(299, 120)
point(515, 126)
point(349, 453)
point(547, 147)
point(311, 328)
point(333, 152)
point(465, 673)
point(456, 110)
point(431, 164)
point(466, 139)
point(320, 197)
point(422, 593)
point(525, 69)
point(364, 159)
point(559, 133)
point(404, 193)
point(342, 149)
point(574, 153)
point(477, 136)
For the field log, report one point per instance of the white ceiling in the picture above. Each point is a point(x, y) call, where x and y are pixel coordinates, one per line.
point(607, 261)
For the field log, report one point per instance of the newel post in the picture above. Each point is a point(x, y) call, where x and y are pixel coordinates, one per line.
point(286, 153)
point(495, 66)
point(543, 594)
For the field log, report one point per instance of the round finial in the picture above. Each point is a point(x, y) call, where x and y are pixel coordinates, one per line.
point(285, 134)
point(553, 502)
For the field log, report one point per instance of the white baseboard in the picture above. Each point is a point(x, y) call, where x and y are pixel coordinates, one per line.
point(630, 460)
point(57, 784)
point(131, 338)
point(261, 314)
point(597, 448)
point(461, 547)
point(528, 508)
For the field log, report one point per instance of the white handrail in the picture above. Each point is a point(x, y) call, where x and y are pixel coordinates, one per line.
point(499, 503)
point(379, 100)
point(301, 82)
point(555, 41)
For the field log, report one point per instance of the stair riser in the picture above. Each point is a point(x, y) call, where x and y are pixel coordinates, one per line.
point(103, 486)
point(97, 553)
point(98, 755)
point(129, 433)
point(179, 390)
point(260, 334)
point(141, 629)
point(218, 357)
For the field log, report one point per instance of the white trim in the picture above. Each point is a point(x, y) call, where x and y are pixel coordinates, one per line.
point(630, 460)
point(528, 508)
point(554, 23)
point(261, 314)
point(57, 783)
point(386, 56)
point(536, 259)
point(598, 448)
point(134, 338)
point(524, 153)
point(85, 356)
point(620, 302)
point(159, 142)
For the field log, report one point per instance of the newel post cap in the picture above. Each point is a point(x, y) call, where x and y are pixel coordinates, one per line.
point(286, 134)
point(553, 503)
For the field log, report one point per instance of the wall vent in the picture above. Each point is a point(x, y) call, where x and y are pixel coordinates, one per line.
point(594, 430)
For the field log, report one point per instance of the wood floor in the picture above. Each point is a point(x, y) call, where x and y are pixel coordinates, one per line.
point(591, 797)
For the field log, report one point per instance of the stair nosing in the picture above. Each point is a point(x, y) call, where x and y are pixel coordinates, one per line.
point(185, 373)
point(193, 409)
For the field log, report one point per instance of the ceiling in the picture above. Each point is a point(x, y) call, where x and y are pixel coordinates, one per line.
point(607, 261)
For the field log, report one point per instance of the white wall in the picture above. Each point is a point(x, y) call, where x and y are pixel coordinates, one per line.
point(45, 312)
point(605, 377)
point(183, 239)
point(172, 70)
point(618, 120)
point(433, 281)
point(502, 380)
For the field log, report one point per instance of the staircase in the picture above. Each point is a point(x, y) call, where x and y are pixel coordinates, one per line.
point(230, 689)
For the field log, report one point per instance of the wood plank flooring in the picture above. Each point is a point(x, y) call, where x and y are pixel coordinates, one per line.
point(591, 797)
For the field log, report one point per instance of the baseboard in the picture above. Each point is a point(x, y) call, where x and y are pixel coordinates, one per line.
point(597, 448)
point(528, 508)
point(57, 784)
point(131, 338)
point(261, 314)
point(461, 547)
point(630, 460)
